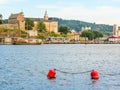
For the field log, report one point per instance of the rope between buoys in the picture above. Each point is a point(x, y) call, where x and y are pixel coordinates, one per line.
point(72, 72)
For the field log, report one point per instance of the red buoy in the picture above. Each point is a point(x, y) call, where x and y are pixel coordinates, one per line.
point(51, 74)
point(94, 74)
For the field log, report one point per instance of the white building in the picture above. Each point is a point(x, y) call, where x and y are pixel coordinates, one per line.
point(58, 40)
point(114, 39)
point(32, 33)
point(85, 28)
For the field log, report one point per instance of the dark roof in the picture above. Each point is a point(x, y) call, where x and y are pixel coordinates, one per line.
point(48, 20)
point(34, 19)
point(41, 19)
point(13, 16)
point(114, 37)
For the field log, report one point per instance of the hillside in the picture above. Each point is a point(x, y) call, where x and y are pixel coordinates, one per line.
point(77, 25)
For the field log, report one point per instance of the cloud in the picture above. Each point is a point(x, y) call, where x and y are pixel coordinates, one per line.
point(9, 1)
point(115, 0)
point(103, 14)
point(101, 11)
point(19, 0)
point(3, 1)
point(107, 1)
point(46, 7)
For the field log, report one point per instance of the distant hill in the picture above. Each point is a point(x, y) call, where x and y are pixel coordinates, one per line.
point(77, 25)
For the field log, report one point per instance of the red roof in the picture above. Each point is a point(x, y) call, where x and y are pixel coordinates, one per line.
point(114, 37)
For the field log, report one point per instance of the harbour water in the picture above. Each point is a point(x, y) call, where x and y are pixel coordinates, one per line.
point(24, 67)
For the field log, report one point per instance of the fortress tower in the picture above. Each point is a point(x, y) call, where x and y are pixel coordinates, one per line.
point(51, 25)
point(115, 29)
point(46, 16)
point(17, 19)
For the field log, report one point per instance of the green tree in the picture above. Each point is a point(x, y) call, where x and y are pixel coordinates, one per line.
point(91, 34)
point(29, 24)
point(1, 21)
point(77, 25)
point(53, 34)
point(88, 34)
point(41, 36)
point(41, 27)
point(63, 29)
point(97, 34)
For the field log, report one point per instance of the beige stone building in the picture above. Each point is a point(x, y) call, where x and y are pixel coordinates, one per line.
point(9, 26)
point(51, 25)
point(75, 36)
point(15, 21)
point(35, 25)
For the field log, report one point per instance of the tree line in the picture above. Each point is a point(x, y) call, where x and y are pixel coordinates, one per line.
point(1, 19)
point(91, 34)
point(77, 25)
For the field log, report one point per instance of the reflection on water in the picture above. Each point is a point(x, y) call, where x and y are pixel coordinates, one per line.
point(25, 67)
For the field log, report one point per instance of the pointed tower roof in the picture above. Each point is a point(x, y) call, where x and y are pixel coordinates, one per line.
point(46, 13)
point(46, 16)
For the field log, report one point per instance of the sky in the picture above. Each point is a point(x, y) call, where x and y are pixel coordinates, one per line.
point(94, 11)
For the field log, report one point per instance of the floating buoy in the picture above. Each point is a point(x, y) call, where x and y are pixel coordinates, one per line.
point(51, 74)
point(94, 74)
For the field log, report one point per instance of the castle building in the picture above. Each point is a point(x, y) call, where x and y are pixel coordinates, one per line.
point(46, 16)
point(17, 19)
point(73, 35)
point(51, 25)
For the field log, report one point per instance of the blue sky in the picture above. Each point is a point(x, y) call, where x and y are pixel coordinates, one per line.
point(99, 11)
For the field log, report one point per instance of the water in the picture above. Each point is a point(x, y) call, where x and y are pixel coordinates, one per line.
point(25, 67)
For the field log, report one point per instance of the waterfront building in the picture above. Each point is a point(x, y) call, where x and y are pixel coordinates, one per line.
point(116, 34)
point(15, 21)
point(114, 39)
point(74, 36)
point(58, 40)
